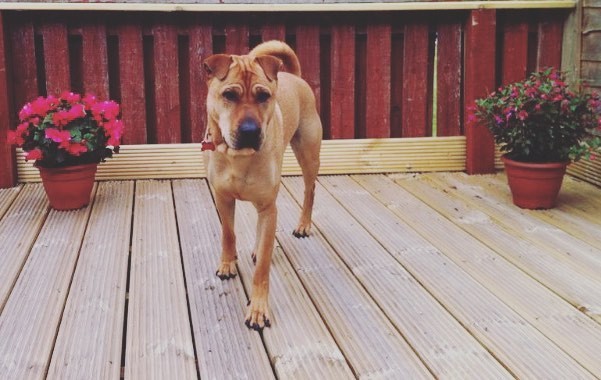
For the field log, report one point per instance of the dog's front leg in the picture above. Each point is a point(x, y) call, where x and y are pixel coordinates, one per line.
point(227, 207)
point(257, 316)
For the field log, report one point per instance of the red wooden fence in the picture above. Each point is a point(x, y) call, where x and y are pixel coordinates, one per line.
point(372, 73)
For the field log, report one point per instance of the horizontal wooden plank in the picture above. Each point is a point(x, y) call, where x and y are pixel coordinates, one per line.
point(303, 7)
point(337, 157)
point(591, 48)
point(587, 170)
point(591, 20)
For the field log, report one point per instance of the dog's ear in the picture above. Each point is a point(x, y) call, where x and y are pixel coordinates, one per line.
point(270, 65)
point(217, 65)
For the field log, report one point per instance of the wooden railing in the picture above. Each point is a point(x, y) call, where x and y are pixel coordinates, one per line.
point(374, 73)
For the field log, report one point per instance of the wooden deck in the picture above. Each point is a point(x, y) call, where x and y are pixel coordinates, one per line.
point(404, 277)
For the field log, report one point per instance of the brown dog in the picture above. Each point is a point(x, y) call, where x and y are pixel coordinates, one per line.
point(254, 110)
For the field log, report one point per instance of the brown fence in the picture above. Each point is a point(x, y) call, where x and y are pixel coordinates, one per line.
point(375, 74)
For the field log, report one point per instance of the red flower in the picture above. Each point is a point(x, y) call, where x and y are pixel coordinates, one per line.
point(34, 154)
point(57, 136)
point(107, 109)
point(114, 130)
point(89, 100)
point(70, 97)
point(61, 118)
point(77, 149)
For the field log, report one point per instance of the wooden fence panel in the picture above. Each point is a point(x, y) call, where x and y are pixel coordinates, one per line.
point(8, 173)
point(377, 92)
point(550, 37)
point(449, 67)
point(308, 51)
point(372, 76)
point(342, 86)
point(95, 59)
point(56, 58)
point(515, 48)
point(131, 74)
point(416, 121)
point(201, 47)
point(480, 30)
point(166, 84)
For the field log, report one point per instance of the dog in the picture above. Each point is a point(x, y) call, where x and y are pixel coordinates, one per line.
point(256, 105)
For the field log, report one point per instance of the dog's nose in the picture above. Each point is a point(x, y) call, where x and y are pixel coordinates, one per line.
point(249, 134)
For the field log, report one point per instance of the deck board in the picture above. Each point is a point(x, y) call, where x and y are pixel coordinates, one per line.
point(97, 295)
point(31, 326)
point(447, 348)
point(403, 276)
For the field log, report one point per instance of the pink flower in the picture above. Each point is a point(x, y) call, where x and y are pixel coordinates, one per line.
point(114, 130)
point(61, 118)
point(89, 100)
point(57, 136)
point(14, 138)
point(522, 115)
point(108, 110)
point(34, 154)
point(70, 97)
point(77, 149)
point(26, 112)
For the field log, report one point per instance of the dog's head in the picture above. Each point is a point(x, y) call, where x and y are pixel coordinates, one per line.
point(241, 97)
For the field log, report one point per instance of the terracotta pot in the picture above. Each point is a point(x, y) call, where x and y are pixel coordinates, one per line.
point(69, 188)
point(534, 185)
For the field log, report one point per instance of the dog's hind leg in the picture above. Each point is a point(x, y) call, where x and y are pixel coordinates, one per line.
point(306, 145)
point(227, 207)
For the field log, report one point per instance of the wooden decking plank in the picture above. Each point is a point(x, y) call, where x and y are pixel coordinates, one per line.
point(18, 230)
point(30, 319)
point(90, 338)
point(553, 270)
point(7, 196)
point(583, 256)
point(299, 343)
point(445, 346)
point(226, 348)
point(524, 301)
point(369, 341)
point(159, 338)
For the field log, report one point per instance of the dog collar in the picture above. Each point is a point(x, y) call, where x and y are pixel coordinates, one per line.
point(207, 145)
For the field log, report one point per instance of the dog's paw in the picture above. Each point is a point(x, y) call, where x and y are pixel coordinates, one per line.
point(257, 316)
point(302, 230)
point(227, 270)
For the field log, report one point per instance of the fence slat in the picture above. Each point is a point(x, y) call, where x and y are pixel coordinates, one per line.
point(131, 74)
point(378, 81)
point(308, 51)
point(415, 121)
point(8, 167)
point(56, 58)
point(515, 49)
point(166, 86)
point(480, 30)
point(449, 80)
point(201, 46)
point(550, 37)
point(95, 60)
point(342, 88)
point(236, 39)
point(273, 32)
point(24, 72)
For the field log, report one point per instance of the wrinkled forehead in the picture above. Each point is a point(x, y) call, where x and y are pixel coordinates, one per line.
point(245, 71)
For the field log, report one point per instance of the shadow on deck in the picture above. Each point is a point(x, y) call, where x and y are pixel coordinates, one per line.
point(405, 276)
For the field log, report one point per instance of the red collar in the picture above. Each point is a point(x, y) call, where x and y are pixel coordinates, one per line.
point(207, 145)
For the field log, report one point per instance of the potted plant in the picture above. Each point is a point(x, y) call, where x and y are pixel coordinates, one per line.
point(67, 136)
point(541, 126)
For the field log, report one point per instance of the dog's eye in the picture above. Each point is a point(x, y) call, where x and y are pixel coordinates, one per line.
point(230, 95)
point(262, 97)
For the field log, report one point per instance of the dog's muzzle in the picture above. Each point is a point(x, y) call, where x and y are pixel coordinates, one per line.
point(249, 135)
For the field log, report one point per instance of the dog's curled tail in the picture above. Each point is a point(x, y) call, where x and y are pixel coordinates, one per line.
point(282, 51)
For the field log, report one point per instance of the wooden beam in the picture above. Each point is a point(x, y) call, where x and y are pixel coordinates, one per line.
point(8, 167)
point(480, 31)
point(292, 7)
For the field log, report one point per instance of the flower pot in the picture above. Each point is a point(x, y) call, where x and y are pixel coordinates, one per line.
point(69, 188)
point(534, 185)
